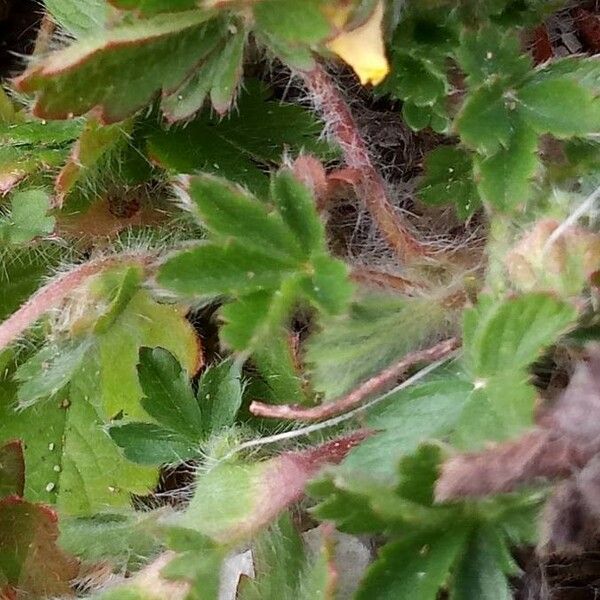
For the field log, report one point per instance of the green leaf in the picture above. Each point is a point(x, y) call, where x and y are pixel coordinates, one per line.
point(278, 556)
point(39, 132)
point(210, 270)
point(479, 572)
point(154, 6)
point(149, 444)
point(485, 122)
point(406, 420)
point(71, 462)
point(505, 179)
point(143, 322)
point(48, 371)
point(227, 211)
point(297, 207)
point(156, 53)
point(507, 336)
point(329, 287)
point(255, 317)
point(30, 560)
point(416, 117)
point(413, 568)
point(292, 23)
point(239, 146)
point(28, 218)
point(227, 71)
point(561, 107)
point(363, 342)
point(449, 178)
point(12, 469)
point(80, 18)
point(168, 394)
point(125, 540)
point(416, 80)
point(489, 51)
point(220, 396)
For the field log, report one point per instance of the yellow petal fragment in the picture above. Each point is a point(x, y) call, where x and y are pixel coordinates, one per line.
point(363, 48)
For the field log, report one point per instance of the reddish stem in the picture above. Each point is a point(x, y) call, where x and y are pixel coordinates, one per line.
point(371, 188)
point(55, 292)
point(354, 398)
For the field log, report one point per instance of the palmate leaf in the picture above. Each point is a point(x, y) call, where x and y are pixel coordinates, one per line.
point(449, 178)
point(182, 420)
point(255, 135)
point(261, 258)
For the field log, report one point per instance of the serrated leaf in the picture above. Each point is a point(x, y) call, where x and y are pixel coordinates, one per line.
point(219, 396)
point(507, 336)
point(150, 444)
point(449, 178)
point(413, 568)
point(329, 287)
point(254, 317)
point(168, 395)
point(40, 132)
point(408, 419)
point(157, 53)
point(416, 80)
point(561, 107)
point(489, 51)
point(505, 179)
point(211, 270)
point(256, 134)
point(365, 341)
point(30, 560)
point(479, 572)
point(227, 211)
point(485, 122)
point(12, 469)
point(28, 217)
point(297, 207)
point(227, 71)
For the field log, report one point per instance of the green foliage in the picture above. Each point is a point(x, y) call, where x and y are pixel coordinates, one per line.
point(216, 280)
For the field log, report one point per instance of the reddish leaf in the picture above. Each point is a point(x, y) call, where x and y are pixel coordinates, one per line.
point(31, 564)
point(12, 469)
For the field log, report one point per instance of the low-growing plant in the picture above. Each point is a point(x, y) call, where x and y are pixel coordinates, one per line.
point(201, 357)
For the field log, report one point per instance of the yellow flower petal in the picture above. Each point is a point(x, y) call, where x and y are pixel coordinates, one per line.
point(363, 48)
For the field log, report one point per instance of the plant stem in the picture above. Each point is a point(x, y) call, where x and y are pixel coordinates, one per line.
point(54, 293)
point(354, 398)
point(371, 188)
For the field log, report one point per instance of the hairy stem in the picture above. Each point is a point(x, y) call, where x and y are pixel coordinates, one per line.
point(356, 397)
point(54, 293)
point(371, 187)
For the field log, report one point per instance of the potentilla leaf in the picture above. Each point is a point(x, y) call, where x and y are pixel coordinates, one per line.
point(97, 72)
point(229, 212)
point(79, 18)
point(489, 51)
point(413, 568)
point(506, 336)
point(485, 121)
point(29, 216)
point(154, 6)
point(505, 178)
point(449, 179)
point(168, 395)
